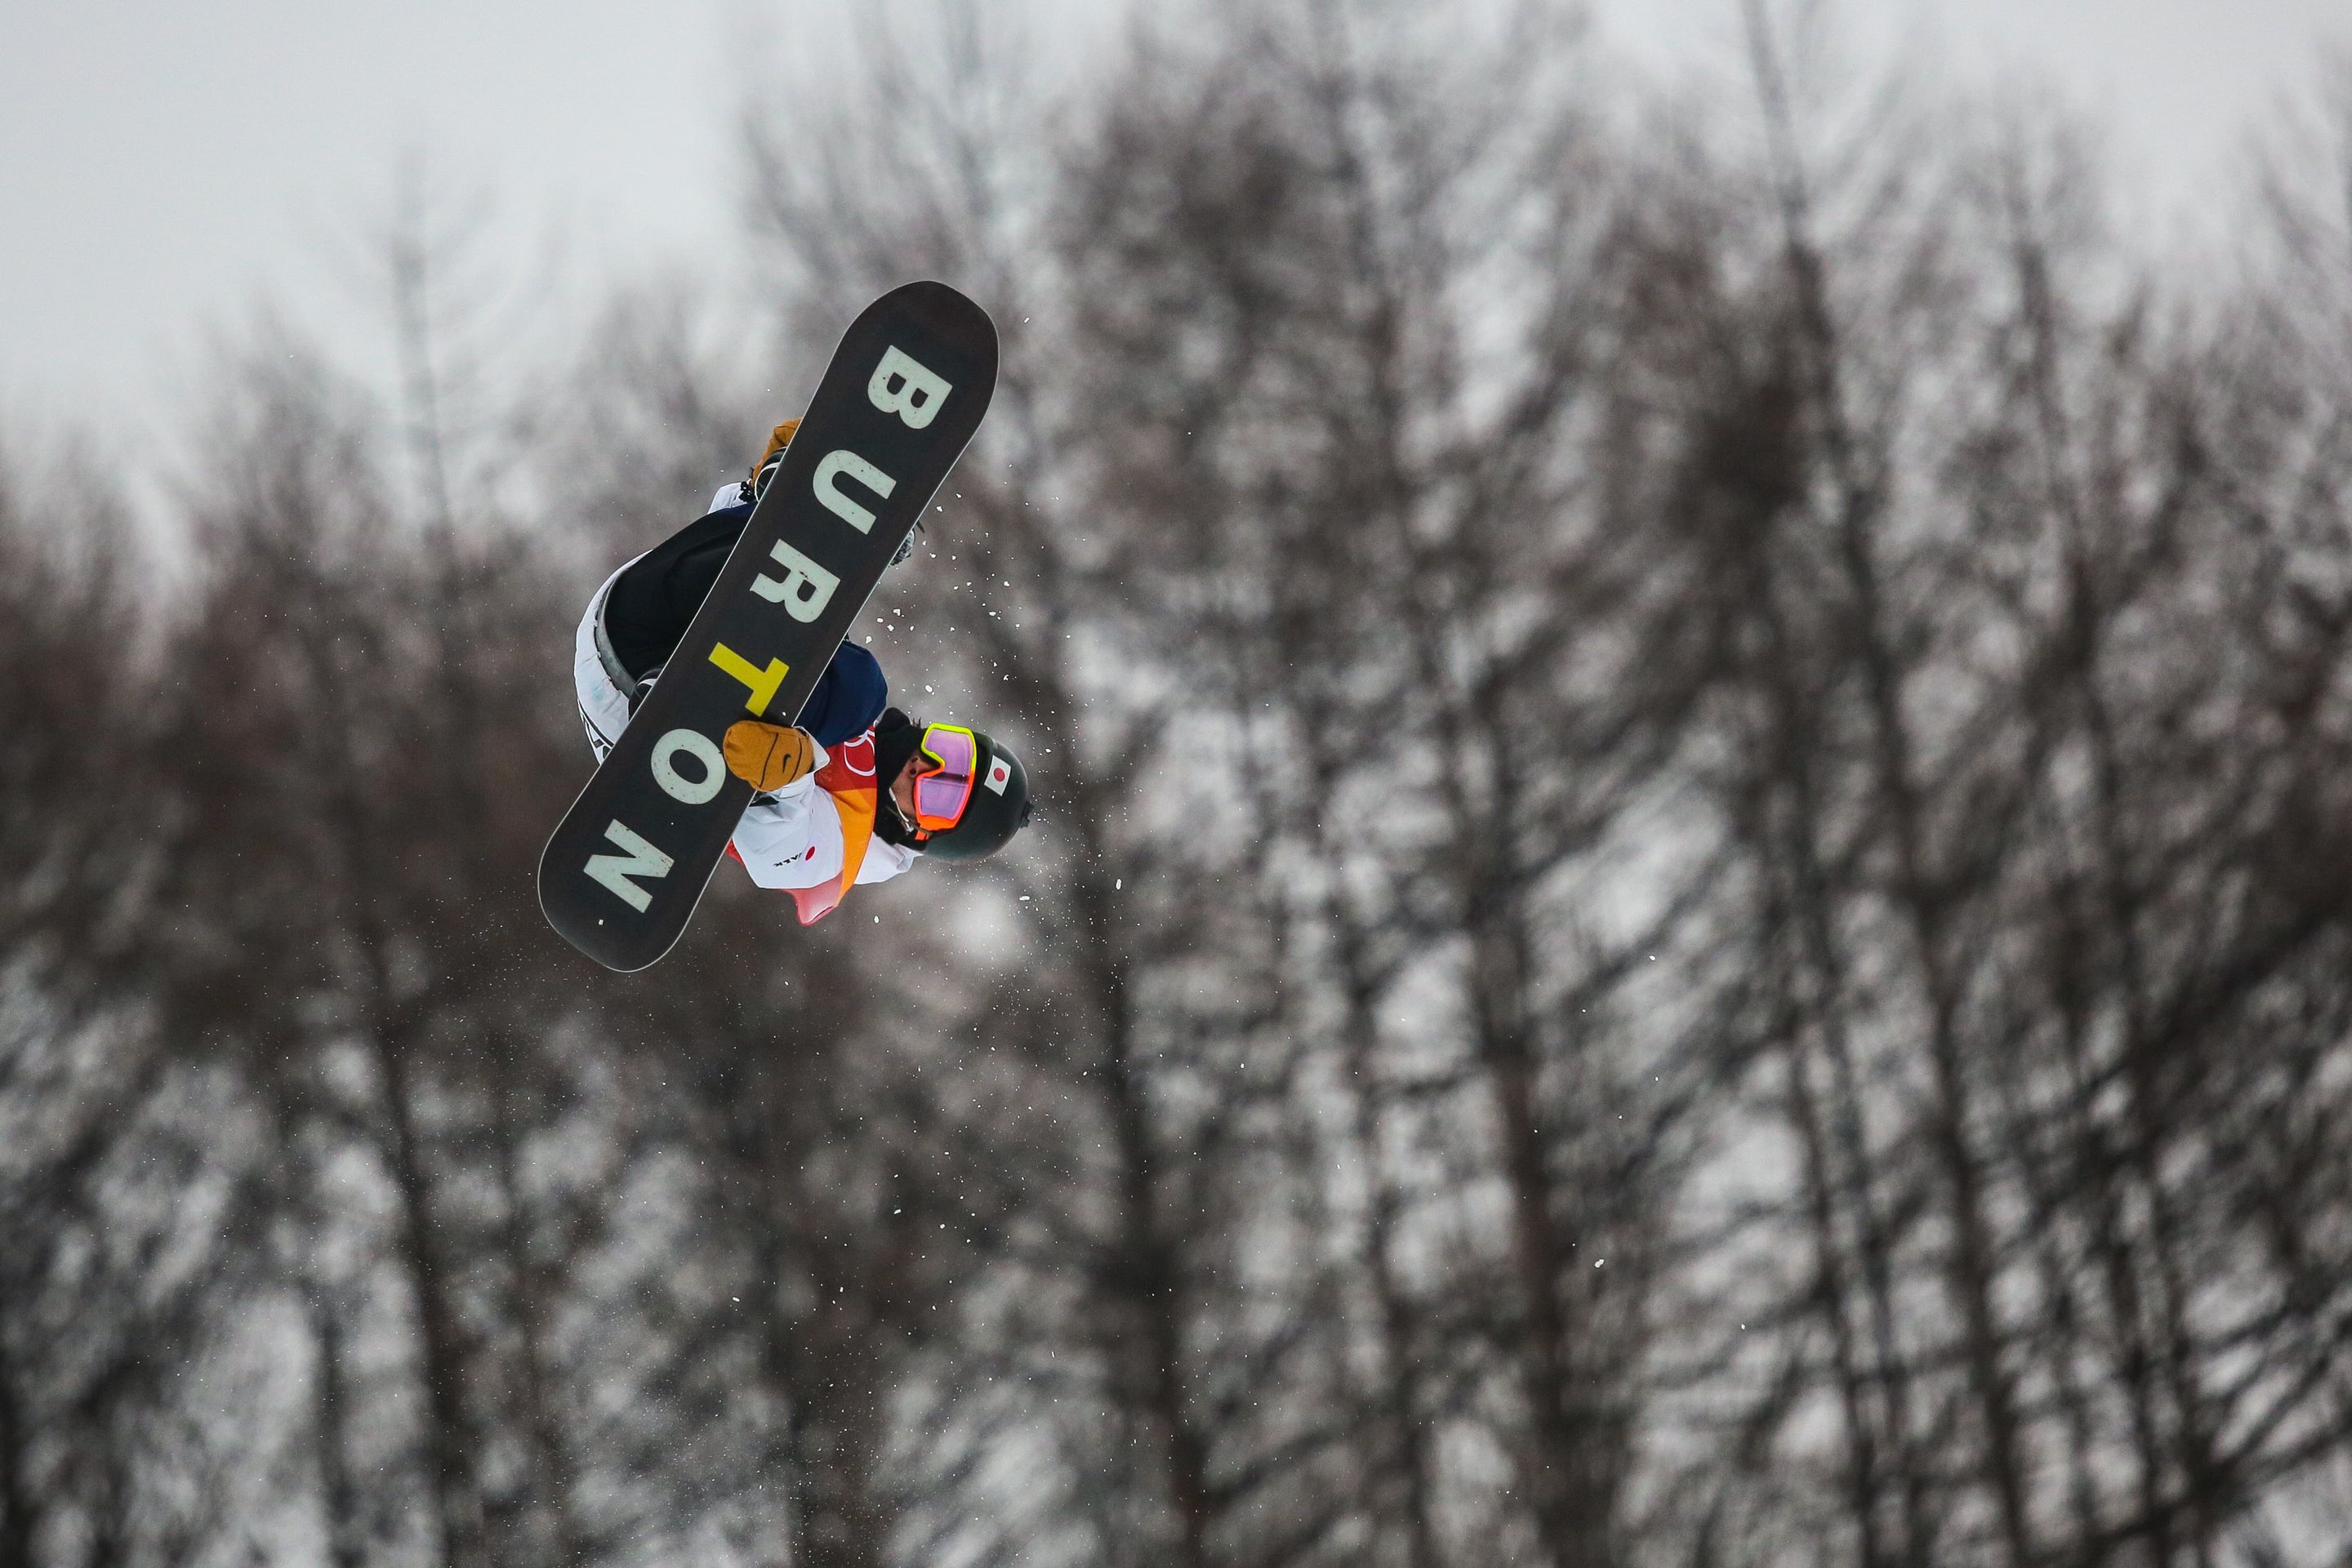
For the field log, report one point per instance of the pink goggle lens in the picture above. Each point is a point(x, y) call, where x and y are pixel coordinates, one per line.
point(943, 783)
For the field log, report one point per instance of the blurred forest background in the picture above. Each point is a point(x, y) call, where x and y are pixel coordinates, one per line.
point(1693, 902)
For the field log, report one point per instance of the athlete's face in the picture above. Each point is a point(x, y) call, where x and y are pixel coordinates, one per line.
point(902, 788)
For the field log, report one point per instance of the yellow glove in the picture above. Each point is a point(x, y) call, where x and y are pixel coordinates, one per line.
point(768, 756)
point(778, 439)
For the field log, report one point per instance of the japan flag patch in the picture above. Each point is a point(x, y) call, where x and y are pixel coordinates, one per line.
point(1000, 774)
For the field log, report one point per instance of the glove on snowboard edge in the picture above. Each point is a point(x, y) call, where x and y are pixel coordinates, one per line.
point(768, 756)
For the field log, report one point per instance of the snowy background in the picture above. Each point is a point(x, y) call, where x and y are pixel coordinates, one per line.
point(1687, 674)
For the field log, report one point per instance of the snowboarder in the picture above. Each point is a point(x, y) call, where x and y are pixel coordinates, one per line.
point(854, 791)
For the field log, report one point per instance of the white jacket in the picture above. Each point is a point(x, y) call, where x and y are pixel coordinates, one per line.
point(791, 838)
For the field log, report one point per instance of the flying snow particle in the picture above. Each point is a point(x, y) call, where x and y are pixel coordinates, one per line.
point(1116, 883)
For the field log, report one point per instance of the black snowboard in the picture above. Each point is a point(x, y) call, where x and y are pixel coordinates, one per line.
point(903, 395)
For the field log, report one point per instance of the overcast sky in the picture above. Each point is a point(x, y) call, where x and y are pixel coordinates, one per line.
point(165, 163)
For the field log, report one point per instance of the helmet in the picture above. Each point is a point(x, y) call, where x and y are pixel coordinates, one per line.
point(998, 809)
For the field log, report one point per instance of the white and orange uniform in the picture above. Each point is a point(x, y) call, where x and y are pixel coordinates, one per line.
point(801, 838)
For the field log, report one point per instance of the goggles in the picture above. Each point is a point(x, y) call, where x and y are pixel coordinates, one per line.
point(948, 758)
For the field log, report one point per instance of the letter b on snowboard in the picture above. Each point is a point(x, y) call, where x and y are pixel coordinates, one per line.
point(917, 394)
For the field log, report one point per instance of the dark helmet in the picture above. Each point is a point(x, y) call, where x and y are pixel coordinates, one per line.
point(998, 809)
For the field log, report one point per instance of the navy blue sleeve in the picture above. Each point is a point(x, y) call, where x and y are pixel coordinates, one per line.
point(849, 696)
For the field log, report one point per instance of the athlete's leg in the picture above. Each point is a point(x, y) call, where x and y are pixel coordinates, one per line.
point(653, 600)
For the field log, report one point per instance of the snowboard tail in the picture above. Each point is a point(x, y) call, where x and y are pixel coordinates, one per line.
point(902, 397)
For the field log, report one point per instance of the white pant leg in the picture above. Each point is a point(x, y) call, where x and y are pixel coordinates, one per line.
point(603, 706)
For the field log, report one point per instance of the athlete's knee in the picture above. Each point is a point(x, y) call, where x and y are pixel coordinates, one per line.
point(848, 698)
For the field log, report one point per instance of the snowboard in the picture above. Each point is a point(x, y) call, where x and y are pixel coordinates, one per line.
point(622, 874)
